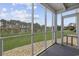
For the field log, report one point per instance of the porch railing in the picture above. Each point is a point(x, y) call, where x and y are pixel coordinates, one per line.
point(4, 40)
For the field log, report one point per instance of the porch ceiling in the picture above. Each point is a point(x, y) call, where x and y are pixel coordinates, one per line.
point(60, 7)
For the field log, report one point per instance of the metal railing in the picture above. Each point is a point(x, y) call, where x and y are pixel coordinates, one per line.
point(15, 36)
point(72, 37)
point(32, 32)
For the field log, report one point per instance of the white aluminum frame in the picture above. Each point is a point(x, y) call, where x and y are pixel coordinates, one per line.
point(52, 28)
point(1, 46)
point(62, 29)
point(77, 25)
point(32, 33)
point(55, 27)
point(77, 17)
point(45, 27)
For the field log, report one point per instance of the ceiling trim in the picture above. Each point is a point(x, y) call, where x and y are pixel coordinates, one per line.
point(65, 8)
point(46, 5)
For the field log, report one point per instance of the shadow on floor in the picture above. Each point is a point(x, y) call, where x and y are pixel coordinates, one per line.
point(59, 50)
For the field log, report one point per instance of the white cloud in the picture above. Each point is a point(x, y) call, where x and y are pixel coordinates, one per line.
point(13, 4)
point(35, 7)
point(4, 15)
point(11, 9)
point(21, 15)
point(18, 14)
point(4, 9)
point(29, 6)
point(36, 16)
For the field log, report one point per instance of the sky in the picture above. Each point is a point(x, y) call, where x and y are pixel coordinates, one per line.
point(22, 12)
point(67, 20)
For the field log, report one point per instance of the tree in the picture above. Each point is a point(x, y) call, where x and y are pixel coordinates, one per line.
point(72, 26)
point(58, 28)
point(37, 27)
point(3, 28)
point(42, 28)
point(3, 23)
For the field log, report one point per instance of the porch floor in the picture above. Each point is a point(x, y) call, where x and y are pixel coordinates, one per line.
point(59, 50)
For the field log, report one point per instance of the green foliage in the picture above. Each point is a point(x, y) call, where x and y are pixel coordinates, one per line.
point(58, 28)
point(15, 26)
point(39, 35)
point(71, 28)
point(11, 43)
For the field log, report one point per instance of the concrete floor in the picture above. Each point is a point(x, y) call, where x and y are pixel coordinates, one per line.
point(59, 50)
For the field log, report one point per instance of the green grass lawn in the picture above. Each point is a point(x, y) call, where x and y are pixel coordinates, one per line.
point(68, 32)
point(11, 43)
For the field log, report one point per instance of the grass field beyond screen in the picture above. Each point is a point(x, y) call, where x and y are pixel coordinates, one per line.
point(11, 43)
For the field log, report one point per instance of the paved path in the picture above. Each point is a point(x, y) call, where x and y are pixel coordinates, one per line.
point(26, 50)
point(59, 50)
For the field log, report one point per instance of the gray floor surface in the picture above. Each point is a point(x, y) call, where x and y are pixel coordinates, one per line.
point(59, 50)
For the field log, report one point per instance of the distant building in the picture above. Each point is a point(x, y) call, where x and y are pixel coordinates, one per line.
point(14, 25)
point(72, 24)
point(1, 24)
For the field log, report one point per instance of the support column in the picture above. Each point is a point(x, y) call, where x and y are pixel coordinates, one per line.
point(52, 28)
point(1, 46)
point(62, 29)
point(32, 34)
point(55, 27)
point(45, 27)
point(77, 29)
